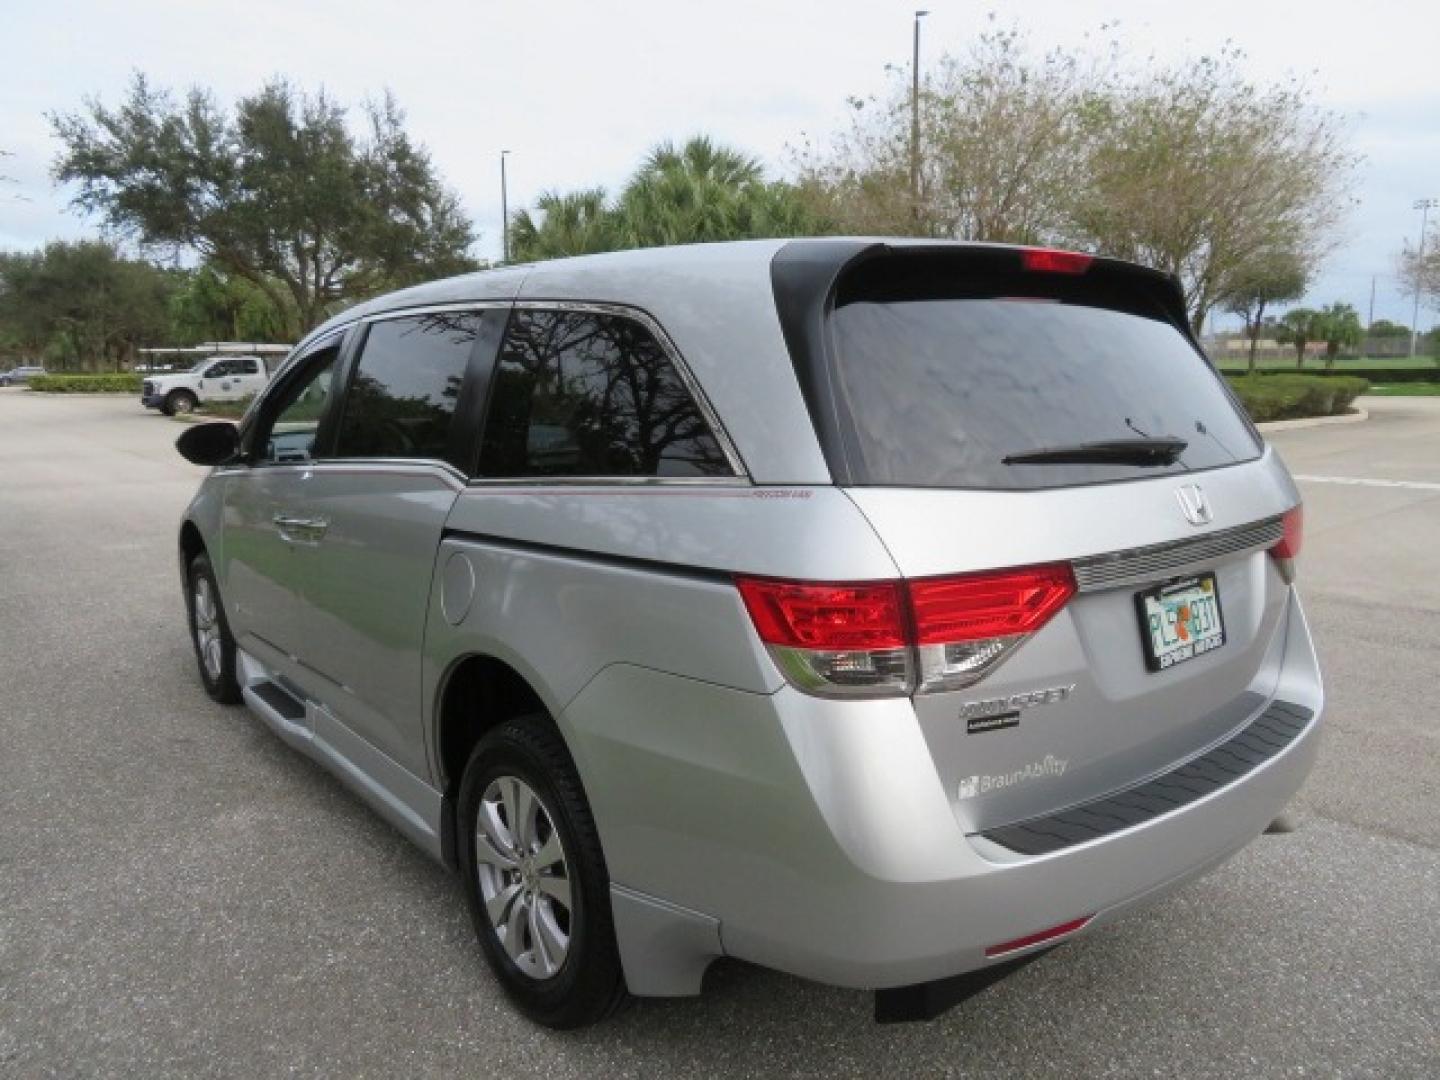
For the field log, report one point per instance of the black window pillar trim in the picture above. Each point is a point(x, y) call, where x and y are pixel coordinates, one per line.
point(803, 277)
point(467, 425)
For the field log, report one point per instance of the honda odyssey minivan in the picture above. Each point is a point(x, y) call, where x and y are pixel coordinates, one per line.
point(877, 611)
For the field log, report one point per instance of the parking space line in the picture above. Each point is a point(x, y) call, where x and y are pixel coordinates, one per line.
point(1419, 485)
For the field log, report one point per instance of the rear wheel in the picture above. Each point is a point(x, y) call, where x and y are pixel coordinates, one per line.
point(210, 633)
point(178, 401)
point(535, 876)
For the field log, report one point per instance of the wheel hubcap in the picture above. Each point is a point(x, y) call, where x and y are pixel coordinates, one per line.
point(207, 627)
point(524, 877)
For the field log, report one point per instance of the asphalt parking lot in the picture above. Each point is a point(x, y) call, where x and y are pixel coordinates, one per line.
point(180, 895)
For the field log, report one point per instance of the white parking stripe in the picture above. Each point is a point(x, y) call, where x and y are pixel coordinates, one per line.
point(1419, 485)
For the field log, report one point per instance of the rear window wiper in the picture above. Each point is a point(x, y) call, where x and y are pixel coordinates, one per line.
point(1156, 450)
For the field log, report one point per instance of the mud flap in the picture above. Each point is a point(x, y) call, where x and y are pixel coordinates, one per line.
point(926, 1001)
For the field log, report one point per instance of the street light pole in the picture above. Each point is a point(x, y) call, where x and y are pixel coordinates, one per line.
point(504, 212)
point(915, 120)
point(1424, 206)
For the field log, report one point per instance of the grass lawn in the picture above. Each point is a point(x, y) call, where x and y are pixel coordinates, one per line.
point(1414, 389)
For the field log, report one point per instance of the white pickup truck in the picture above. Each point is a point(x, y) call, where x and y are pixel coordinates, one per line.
point(216, 378)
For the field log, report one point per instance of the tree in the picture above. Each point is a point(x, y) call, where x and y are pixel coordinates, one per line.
point(211, 305)
point(83, 305)
point(1191, 168)
point(578, 223)
point(1199, 172)
point(1420, 270)
point(1002, 148)
point(1338, 325)
point(1384, 328)
point(1275, 278)
point(1299, 327)
point(278, 191)
point(680, 195)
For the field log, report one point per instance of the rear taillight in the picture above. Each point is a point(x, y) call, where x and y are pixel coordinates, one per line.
point(1051, 261)
point(892, 638)
point(835, 639)
point(966, 625)
point(1287, 549)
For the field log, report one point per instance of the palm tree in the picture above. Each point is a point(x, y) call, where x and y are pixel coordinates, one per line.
point(697, 192)
point(577, 223)
point(700, 157)
point(1338, 325)
point(1299, 327)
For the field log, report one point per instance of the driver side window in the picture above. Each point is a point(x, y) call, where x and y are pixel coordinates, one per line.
point(291, 437)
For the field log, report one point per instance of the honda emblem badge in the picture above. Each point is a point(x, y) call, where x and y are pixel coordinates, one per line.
point(1193, 504)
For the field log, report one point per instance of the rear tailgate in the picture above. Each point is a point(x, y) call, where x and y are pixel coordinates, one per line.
point(997, 408)
point(1075, 712)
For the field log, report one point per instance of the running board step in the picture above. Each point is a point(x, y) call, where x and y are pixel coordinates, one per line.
point(1267, 735)
point(279, 701)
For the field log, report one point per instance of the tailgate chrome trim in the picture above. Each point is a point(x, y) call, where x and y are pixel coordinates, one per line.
point(1144, 565)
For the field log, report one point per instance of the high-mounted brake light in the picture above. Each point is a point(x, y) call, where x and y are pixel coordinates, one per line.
point(1287, 548)
point(1053, 261)
point(892, 638)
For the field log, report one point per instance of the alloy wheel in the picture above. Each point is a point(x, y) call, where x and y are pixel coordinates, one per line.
point(207, 627)
point(524, 877)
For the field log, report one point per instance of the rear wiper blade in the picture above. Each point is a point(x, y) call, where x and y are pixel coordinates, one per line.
point(1157, 450)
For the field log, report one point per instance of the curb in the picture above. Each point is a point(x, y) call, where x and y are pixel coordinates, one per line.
point(1354, 417)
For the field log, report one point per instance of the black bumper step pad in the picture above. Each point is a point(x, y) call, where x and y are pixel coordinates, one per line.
point(1268, 734)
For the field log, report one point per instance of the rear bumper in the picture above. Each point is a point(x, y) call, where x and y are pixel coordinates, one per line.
point(920, 931)
point(152, 401)
point(832, 851)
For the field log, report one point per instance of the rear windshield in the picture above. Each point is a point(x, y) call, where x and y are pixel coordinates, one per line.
point(937, 390)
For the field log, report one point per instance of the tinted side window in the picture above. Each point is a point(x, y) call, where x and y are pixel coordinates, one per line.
point(405, 388)
point(249, 366)
point(588, 394)
point(300, 409)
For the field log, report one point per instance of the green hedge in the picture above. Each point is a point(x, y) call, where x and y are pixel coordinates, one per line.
point(1292, 397)
point(86, 384)
point(1374, 374)
point(230, 409)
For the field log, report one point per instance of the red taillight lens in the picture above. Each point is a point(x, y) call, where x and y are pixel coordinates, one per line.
point(1294, 525)
point(1051, 261)
point(812, 616)
point(976, 606)
point(891, 637)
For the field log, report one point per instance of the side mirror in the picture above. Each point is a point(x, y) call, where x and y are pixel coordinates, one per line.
point(214, 443)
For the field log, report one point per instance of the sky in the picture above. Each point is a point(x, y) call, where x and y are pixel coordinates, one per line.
point(579, 91)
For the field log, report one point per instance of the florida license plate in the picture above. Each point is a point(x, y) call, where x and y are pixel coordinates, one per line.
point(1180, 621)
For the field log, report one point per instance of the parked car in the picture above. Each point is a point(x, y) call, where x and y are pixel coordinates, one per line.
point(225, 378)
point(20, 375)
point(878, 612)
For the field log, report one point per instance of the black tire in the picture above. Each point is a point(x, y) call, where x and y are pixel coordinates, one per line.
point(179, 401)
point(222, 686)
point(589, 984)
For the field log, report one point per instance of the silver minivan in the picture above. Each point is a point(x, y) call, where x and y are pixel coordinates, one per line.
point(884, 612)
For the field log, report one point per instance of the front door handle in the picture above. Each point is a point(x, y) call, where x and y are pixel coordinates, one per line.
point(301, 530)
